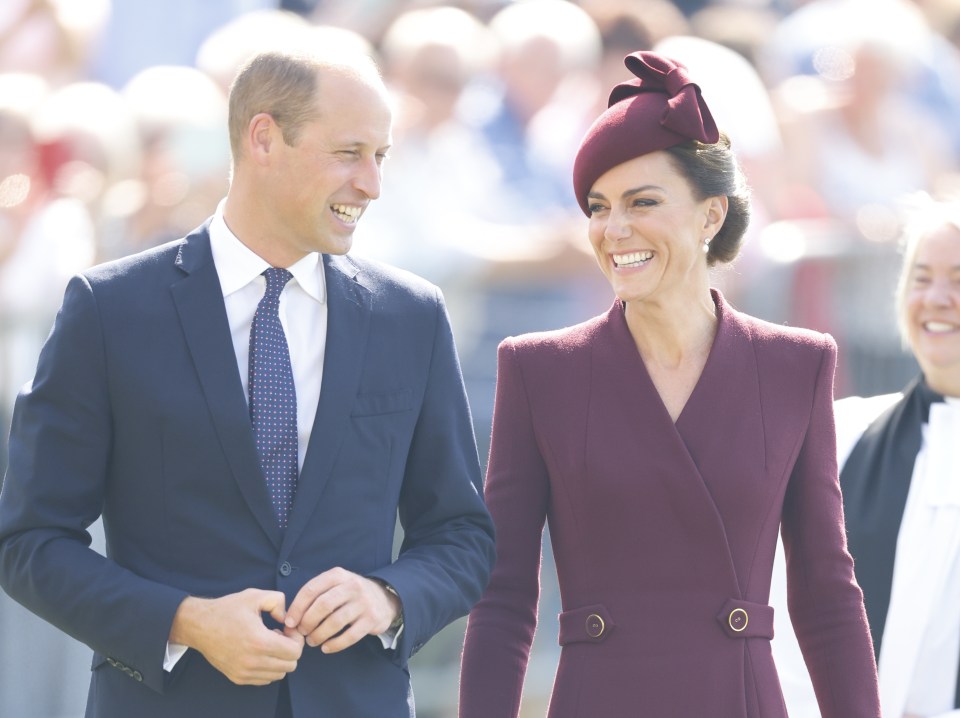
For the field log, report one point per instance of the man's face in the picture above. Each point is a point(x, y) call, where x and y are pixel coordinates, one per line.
point(321, 185)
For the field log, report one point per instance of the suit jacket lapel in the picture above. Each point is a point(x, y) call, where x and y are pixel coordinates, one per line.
point(199, 302)
point(348, 324)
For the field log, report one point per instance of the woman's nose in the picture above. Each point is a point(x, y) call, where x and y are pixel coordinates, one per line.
point(616, 227)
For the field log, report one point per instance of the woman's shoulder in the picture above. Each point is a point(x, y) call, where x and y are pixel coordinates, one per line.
point(566, 340)
point(785, 335)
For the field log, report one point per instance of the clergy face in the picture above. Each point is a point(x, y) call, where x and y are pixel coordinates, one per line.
point(648, 229)
point(931, 308)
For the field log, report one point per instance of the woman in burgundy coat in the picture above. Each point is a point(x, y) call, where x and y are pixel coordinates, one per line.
point(666, 442)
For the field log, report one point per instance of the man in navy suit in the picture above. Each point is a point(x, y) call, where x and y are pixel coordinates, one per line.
point(208, 603)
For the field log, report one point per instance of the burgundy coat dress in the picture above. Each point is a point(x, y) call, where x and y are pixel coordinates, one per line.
point(664, 533)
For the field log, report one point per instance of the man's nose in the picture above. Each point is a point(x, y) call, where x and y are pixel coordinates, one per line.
point(369, 177)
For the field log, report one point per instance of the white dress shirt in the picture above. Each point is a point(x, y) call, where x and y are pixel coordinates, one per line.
point(303, 314)
point(918, 658)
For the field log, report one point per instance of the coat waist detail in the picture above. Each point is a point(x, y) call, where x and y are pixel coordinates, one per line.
point(594, 623)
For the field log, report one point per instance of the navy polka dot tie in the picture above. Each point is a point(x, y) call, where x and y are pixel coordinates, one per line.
point(273, 398)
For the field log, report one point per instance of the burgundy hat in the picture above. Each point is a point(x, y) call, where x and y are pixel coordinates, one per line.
point(659, 109)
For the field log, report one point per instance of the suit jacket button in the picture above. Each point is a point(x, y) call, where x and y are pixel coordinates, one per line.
point(595, 625)
point(285, 569)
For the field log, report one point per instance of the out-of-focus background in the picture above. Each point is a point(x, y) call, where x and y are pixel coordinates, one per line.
point(113, 139)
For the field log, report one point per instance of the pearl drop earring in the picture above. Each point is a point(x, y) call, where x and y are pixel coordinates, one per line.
point(706, 245)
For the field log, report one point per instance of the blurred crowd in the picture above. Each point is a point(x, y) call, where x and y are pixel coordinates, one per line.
point(113, 138)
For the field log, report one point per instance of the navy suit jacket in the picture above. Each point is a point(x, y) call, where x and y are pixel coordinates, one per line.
point(137, 414)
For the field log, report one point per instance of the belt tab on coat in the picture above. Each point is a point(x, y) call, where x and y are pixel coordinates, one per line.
point(744, 619)
point(588, 624)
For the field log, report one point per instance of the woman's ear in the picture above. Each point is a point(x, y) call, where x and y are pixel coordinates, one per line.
point(716, 213)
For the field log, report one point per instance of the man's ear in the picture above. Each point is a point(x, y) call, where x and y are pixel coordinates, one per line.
point(262, 133)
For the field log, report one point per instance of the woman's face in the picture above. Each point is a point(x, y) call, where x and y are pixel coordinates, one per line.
point(932, 308)
point(647, 230)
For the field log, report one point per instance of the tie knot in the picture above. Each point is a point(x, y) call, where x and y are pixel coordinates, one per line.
point(277, 279)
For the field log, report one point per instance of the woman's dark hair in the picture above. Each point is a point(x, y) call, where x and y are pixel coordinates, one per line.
point(713, 171)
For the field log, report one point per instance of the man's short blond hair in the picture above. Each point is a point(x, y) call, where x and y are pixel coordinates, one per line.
point(285, 85)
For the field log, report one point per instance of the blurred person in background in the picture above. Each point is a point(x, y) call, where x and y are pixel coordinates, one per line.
point(850, 83)
point(674, 431)
point(138, 35)
point(547, 51)
point(98, 152)
point(181, 117)
point(866, 91)
point(815, 40)
point(626, 28)
point(430, 56)
point(51, 38)
point(556, 128)
point(229, 46)
point(47, 232)
point(249, 568)
point(899, 456)
point(858, 144)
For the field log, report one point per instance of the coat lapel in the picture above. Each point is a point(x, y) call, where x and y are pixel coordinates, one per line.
point(648, 439)
point(722, 428)
point(199, 302)
point(348, 324)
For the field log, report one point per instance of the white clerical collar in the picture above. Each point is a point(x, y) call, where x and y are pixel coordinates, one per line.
point(943, 453)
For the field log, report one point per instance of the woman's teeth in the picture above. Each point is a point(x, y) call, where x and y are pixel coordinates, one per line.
point(633, 259)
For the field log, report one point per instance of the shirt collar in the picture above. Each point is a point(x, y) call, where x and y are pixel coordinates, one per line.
point(237, 265)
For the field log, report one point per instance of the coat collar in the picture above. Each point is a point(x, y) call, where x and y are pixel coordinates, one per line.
point(692, 456)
